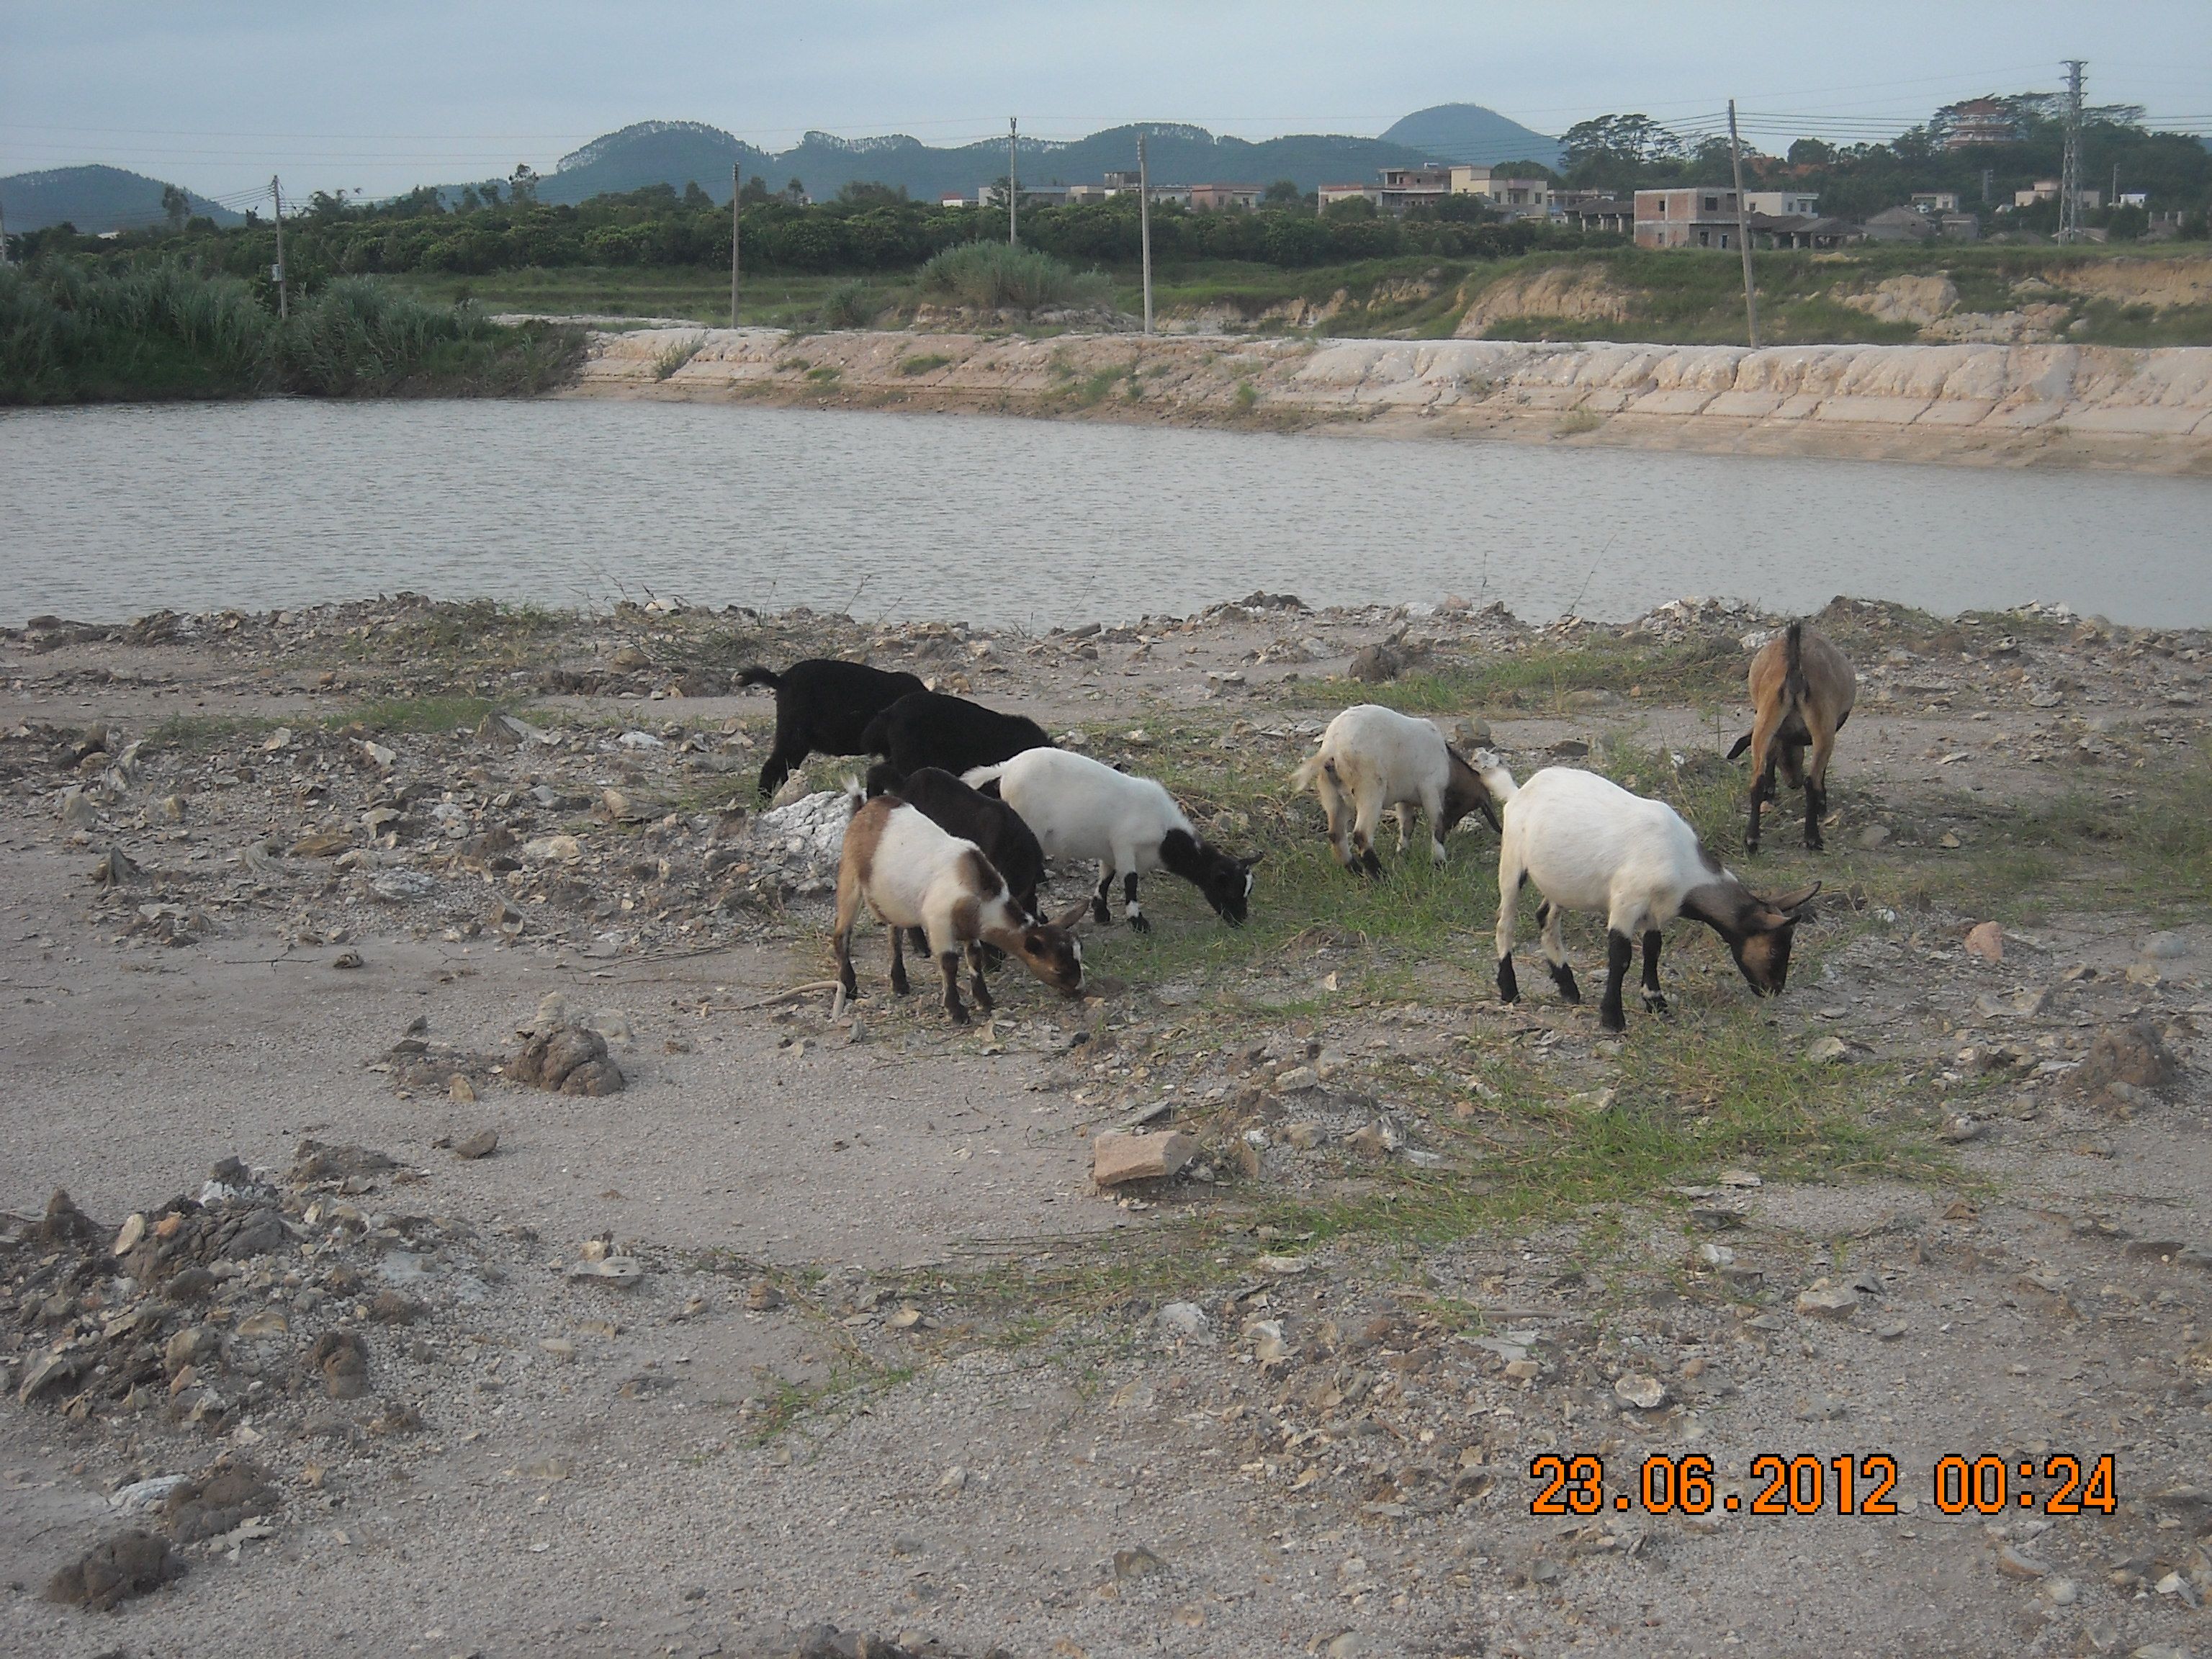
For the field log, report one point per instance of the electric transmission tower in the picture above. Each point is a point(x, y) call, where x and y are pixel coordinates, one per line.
point(2069, 174)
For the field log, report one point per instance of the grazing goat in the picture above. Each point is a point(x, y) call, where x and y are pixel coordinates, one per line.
point(823, 707)
point(1388, 761)
point(1589, 845)
point(928, 728)
point(1802, 689)
point(913, 875)
point(992, 825)
point(1081, 808)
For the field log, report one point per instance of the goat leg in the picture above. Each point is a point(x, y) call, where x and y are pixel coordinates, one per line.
point(899, 985)
point(1508, 983)
point(975, 986)
point(1620, 951)
point(1816, 808)
point(1762, 790)
point(1138, 919)
point(1549, 917)
point(1099, 912)
point(1655, 1000)
point(948, 965)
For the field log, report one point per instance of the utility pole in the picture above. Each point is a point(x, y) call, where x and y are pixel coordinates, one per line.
point(2069, 174)
point(1013, 186)
point(737, 190)
point(1144, 225)
point(3, 236)
point(283, 287)
point(1743, 231)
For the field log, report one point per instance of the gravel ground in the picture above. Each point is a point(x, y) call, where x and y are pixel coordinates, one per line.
point(822, 1321)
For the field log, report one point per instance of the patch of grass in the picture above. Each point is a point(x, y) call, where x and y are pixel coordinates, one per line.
point(416, 715)
point(673, 355)
point(1095, 387)
point(1541, 676)
point(1575, 422)
point(994, 276)
point(922, 362)
point(825, 375)
point(196, 733)
point(477, 632)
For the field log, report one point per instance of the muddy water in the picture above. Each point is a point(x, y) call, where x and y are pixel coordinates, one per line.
point(109, 513)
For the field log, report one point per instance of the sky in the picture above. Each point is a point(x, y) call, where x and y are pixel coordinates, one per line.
point(379, 95)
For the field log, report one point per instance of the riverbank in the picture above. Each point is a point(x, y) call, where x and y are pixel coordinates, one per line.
point(1972, 404)
point(873, 1333)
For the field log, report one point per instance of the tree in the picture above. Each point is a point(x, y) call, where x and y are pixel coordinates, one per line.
point(523, 185)
point(1284, 193)
point(755, 193)
point(176, 206)
point(795, 193)
point(862, 195)
point(694, 198)
point(1613, 142)
point(1811, 153)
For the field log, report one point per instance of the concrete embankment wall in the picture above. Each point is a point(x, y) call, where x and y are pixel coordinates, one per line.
point(2148, 410)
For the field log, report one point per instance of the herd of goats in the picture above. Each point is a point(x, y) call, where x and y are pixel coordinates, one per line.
point(948, 837)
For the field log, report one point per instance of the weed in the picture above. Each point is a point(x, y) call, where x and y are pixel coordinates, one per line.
point(923, 362)
point(673, 355)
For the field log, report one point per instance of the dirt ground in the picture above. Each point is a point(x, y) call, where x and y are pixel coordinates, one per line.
point(823, 1322)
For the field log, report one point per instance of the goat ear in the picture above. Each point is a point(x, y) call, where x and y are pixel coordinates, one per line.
point(1254, 859)
point(1790, 903)
point(1069, 917)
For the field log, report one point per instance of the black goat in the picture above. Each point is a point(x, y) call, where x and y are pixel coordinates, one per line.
point(989, 821)
point(928, 728)
point(824, 706)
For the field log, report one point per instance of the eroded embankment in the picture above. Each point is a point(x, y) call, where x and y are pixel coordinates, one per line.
point(2147, 410)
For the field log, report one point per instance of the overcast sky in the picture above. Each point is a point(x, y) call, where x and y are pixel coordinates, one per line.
point(382, 94)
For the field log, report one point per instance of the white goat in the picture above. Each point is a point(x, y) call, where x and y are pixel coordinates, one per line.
point(1081, 808)
point(1390, 761)
point(915, 875)
point(1589, 845)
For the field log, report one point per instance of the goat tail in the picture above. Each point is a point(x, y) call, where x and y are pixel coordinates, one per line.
point(1795, 691)
point(856, 795)
point(984, 779)
point(1305, 778)
point(758, 675)
point(1741, 743)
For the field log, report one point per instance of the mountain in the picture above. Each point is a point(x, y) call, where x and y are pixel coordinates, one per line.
point(681, 152)
point(93, 199)
point(1470, 133)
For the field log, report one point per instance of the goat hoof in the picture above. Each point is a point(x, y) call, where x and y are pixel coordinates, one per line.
point(1141, 924)
point(1615, 1024)
point(958, 1016)
point(1655, 1004)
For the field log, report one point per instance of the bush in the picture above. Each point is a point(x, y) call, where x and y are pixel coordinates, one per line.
point(852, 304)
point(68, 334)
point(991, 276)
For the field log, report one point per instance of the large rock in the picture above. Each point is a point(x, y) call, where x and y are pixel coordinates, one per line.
point(114, 1569)
point(1116, 1157)
point(569, 1060)
point(2123, 1059)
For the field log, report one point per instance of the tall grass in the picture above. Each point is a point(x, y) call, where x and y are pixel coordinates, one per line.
point(993, 276)
point(70, 334)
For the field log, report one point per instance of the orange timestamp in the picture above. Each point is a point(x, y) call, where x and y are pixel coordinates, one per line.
point(1849, 1483)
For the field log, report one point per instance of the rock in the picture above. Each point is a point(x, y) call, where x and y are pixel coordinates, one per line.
point(1874, 836)
point(1138, 1562)
point(1267, 1342)
point(2165, 947)
point(1893, 1330)
point(403, 886)
point(1646, 1394)
point(553, 849)
point(620, 1270)
point(1523, 1371)
point(1829, 1051)
point(2129, 1056)
point(461, 1092)
point(1986, 940)
point(232, 1491)
point(1827, 1301)
point(49, 1372)
point(391, 1307)
point(1369, 1141)
point(569, 1060)
point(262, 1233)
point(342, 1359)
point(2014, 1565)
point(1472, 734)
point(321, 844)
point(1117, 1157)
point(116, 868)
point(113, 1571)
point(128, 1238)
point(481, 1145)
point(1185, 1320)
point(1296, 1079)
point(1376, 664)
point(2060, 1592)
point(762, 1297)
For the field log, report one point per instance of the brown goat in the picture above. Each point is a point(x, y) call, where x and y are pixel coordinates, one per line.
point(1802, 689)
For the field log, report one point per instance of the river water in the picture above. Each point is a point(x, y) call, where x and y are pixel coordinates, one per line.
point(109, 513)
